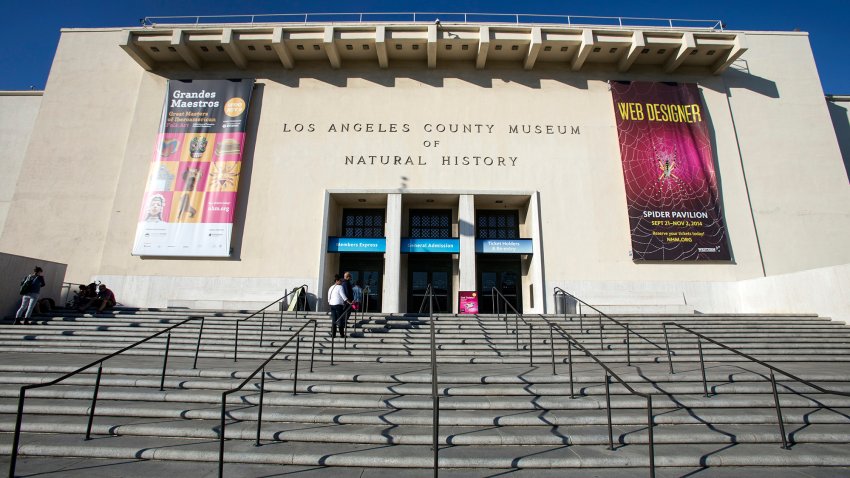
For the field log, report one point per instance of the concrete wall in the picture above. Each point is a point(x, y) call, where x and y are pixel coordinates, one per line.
point(18, 111)
point(15, 269)
point(825, 291)
point(783, 188)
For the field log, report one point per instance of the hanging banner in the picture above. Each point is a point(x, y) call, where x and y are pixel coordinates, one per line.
point(190, 195)
point(671, 186)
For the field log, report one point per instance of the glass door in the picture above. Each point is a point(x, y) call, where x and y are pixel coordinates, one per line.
point(366, 270)
point(502, 274)
point(436, 270)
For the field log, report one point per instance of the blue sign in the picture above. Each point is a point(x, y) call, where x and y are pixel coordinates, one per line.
point(357, 244)
point(503, 246)
point(410, 246)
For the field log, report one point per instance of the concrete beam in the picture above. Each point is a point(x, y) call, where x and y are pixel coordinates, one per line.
point(330, 48)
point(724, 63)
point(136, 53)
point(280, 48)
point(178, 41)
point(637, 46)
point(228, 42)
point(688, 45)
point(483, 47)
point(587, 44)
point(432, 46)
point(533, 48)
point(381, 46)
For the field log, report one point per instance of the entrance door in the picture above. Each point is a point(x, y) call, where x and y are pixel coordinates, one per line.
point(434, 269)
point(367, 269)
point(503, 274)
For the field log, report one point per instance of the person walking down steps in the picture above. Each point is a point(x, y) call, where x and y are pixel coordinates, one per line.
point(30, 289)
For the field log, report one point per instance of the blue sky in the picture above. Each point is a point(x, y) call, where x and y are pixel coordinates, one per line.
point(30, 30)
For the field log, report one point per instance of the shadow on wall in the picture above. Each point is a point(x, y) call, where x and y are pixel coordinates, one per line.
point(841, 122)
point(15, 268)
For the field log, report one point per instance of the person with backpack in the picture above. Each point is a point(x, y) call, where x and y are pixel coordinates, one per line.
point(30, 288)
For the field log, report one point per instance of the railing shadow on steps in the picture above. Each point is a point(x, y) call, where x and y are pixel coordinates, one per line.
point(777, 406)
point(629, 332)
point(99, 362)
point(571, 342)
point(262, 314)
point(262, 371)
point(435, 398)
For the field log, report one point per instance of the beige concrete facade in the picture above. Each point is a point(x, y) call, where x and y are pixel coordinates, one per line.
point(321, 128)
point(19, 110)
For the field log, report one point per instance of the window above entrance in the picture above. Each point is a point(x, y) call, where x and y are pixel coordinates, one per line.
point(363, 223)
point(497, 225)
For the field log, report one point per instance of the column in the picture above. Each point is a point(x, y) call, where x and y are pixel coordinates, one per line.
point(466, 230)
point(392, 257)
point(535, 272)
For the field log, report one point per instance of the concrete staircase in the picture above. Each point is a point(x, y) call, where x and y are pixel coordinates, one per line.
point(372, 408)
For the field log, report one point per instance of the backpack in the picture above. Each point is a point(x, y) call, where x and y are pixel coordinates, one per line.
point(26, 284)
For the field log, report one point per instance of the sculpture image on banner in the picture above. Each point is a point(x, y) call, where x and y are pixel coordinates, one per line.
point(190, 196)
point(668, 166)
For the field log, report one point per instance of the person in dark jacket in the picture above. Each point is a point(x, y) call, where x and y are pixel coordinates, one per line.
point(30, 289)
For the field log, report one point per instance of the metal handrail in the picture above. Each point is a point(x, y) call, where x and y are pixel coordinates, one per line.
point(99, 362)
point(262, 313)
point(517, 317)
point(608, 374)
point(262, 368)
point(435, 398)
point(448, 17)
point(770, 367)
point(558, 291)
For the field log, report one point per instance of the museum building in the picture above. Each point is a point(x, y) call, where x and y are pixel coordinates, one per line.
point(217, 165)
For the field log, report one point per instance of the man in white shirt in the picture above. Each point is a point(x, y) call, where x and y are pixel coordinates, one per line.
point(337, 300)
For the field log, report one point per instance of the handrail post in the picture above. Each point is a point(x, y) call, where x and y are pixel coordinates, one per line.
point(570, 360)
point(628, 347)
point(260, 411)
point(530, 344)
point(434, 396)
point(516, 327)
point(165, 362)
point(650, 424)
point(778, 411)
point(198, 346)
point(667, 343)
point(236, 342)
point(333, 342)
point(580, 318)
point(297, 356)
point(262, 328)
point(552, 346)
point(702, 367)
point(313, 348)
point(601, 343)
point(608, 410)
point(221, 435)
point(13, 459)
point(94, 400)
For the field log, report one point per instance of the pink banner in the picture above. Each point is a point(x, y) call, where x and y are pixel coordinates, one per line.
point(668, 167)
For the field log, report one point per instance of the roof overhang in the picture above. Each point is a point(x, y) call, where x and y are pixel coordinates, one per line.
point(433, 45)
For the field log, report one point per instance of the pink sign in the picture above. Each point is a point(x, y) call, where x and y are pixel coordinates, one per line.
point(468, 302)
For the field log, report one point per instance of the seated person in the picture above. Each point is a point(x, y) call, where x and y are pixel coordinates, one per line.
point(105, 299)
point(81, 296)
